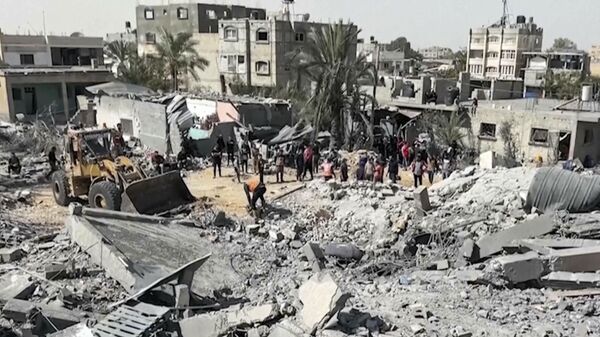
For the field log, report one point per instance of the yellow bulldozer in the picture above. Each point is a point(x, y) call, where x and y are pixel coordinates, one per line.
point(110, 181)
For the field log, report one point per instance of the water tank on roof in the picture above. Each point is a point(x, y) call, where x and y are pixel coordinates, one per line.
point(586, 93)
point(521, 19)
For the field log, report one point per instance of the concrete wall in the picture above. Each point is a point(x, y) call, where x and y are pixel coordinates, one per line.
point(507, 89)
point(592, 146)
point(208, 48)
point(595, 69)
point(5, 91)
point(41, 56)
point(522, 124)
point(149, 119)
point(47, 96)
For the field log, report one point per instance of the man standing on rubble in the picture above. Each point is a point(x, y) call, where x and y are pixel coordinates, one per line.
point(299, 164)
point(280, 164)
point(255, 159)
point(308, 161)
point(230, 150)
point(328, 171)
point(256, 186)
point(14, 164)
point(344, 170)
point(418, 167)
point(216, 160)
point(244, 155)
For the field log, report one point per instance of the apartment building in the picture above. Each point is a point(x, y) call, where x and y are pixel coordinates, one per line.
point(40, 76)
point(391, 62)
point(595, 60)
point(538, 64)
point(497, 51)
point(436, 52)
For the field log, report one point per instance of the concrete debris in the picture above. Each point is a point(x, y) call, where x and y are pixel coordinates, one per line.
point(520, 267)
point(566, 280)
point(422, 199)
point(487, 160)
point(321, 298)
point(16, 286)
point(47, 318)
point(315, 256)
point(8, 255)
point(220, 323)
point(343, 251)
point(575, 259)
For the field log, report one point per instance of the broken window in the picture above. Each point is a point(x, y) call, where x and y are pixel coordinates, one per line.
point(487, 130)
point(262, 68)
point(149, 14)
point(539, 135)
point(231, 34)
point(262, 35)
point(232, 63)
point(588, 136)
point(182, 13)
point(150, 38)
point(211, 14)
point(27, 59)
point(16, 94)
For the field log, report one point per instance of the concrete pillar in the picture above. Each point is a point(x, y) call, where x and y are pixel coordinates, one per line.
point(65, 99)
point(11, 103)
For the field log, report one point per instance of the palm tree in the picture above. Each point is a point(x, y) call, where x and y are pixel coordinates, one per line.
point(120, 52)
point(329, 61)
point(144, 70)
point(180, 56)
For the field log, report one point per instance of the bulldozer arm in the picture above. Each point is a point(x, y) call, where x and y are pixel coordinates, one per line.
point(156, 194)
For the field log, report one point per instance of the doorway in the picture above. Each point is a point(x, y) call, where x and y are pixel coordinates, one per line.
point(564, 145)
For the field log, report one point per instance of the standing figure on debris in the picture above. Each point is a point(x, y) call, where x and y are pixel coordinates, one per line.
point(158, 162)
point(378, 172)
point(244, 155)
point(393, 169)
point(118, 142)
point(299, 159)
point(446, 165)
point(182, 158)
point(362, 163)
point(258, 189)
point(230, 150)
point(280, 163)
point(308, 162)
point(432, 167)
point(405, 154)
point(316, 157)
point(255, 154)
point(14, 164)
point(344, 170)
point(417, 168)
point(52, 159)
point(328, 171)
point(221, 143)
point(369, 170)
point(216, 156)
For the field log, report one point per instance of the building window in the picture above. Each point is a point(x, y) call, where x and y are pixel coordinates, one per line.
point(211, 14)
point(254, 15)
point(300, 37)
point(509, 54)
point(507, 70)
point(149, 14)
point(262, 36)
point(487, 130)
point(588, 136)
point(539, 136)
point(493, 39)
point(182, 13)
point(509, 40)
point(491, 70)
point(493, 54)
point(16, 94)
point(27, 59)
point(231, 34)
point(150, 38)
point(241, 59)
point(165, 12)
point(262, 68)
point(477, 40)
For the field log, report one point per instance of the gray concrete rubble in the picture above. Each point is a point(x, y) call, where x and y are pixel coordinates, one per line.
point(566, 280)
point(575, 259)
point(521, 267)
point(321, 298)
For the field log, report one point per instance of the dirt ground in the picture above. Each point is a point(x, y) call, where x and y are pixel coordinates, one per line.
point(227, 194)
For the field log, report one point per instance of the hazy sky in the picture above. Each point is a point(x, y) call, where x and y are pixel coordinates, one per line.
point(423, 22)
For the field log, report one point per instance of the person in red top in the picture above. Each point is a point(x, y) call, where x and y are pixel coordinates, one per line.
point(405, 155)
point(256, 186)
point(378, 173)
point(328, 171)
point(308, 162)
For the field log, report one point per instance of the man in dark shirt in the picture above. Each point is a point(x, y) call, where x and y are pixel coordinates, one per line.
point(14, 164)
point(52, 159)
point(230, 150)
point(216, 159)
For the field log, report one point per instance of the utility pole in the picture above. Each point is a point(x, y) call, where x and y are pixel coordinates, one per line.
point(504, 20)
point(376, 54)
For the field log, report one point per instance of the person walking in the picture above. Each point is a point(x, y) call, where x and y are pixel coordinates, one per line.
point(244, 155)
point(280, 163)
point(328, 171)
point(299, 160)
point(432, 167)
point(308, 162)
point(344, 170)
point(316, 157)
point(393, 169)
point(369, 170)
point(14, 164)
point(255, 155)
point(405, 155)
point(417, 168)
point(378, 172)
point(230, 150)
point(362, 163)
point(216, 160)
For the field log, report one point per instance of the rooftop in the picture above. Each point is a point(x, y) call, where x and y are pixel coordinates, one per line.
point(582, 111)
point(50, 70)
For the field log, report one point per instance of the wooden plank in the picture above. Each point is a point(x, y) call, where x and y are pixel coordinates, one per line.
point(110, 331)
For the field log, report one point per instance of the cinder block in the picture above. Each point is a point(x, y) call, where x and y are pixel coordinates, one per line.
point(422, 199)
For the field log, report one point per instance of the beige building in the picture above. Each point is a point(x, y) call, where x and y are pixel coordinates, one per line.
point(496, 52)
point(436, 52)
point(595, 60)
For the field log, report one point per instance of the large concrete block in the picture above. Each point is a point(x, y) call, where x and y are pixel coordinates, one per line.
point(487, 160)
point(493, 243)
point(19, 311)
point(10, 254)
point(521, 267)
point(322, 298)
point(422, 199)
point(566, 280)
point(16, 286)
point(575, 259)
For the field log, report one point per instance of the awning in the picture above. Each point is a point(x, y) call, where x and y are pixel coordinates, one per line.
point(116, 87)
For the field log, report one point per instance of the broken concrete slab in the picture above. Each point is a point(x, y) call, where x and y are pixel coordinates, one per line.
point(521, 267)
point(77, 330)
point(314, 255)
point(56, 271)
point(346, 251)
point(322, 298)
point(487, 160)
point(220, 323)
point(575, 259)
point(286, 328)
point(140, 319)
point(492, 244)
point(562, 243)
point(566, 280)
point(11, 254)
point(17, 286)
point(421, 195)
point(20, 311)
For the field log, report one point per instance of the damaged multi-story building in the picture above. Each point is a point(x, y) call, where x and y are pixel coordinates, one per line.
point(541, 65)
point(42, 75)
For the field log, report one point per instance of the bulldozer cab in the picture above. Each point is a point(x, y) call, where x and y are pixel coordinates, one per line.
point(86, 148)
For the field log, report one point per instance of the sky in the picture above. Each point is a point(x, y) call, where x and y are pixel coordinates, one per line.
point(427, 23)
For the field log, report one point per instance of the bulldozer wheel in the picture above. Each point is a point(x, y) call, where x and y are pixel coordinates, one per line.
point(105, 194)
point(60, 188)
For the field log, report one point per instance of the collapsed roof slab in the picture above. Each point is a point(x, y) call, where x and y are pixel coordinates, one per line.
point(137, 251)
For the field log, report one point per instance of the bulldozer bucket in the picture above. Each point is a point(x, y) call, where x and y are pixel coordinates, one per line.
point(156, 194)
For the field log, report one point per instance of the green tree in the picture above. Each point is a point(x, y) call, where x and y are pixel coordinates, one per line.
point(562, 85)
point(144, 70)
point(563, 43)
point(460, 60)
point(180, 56)
point(121, 52)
